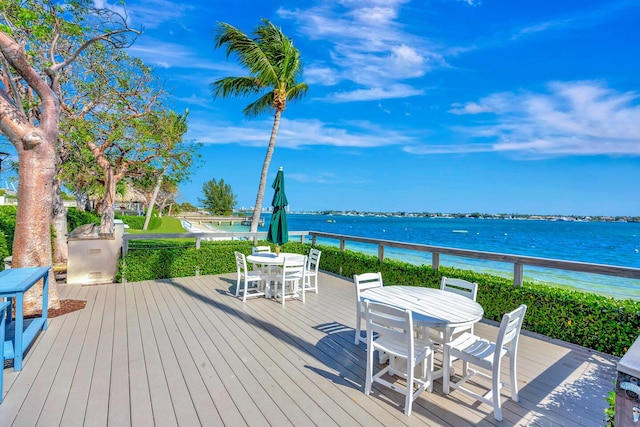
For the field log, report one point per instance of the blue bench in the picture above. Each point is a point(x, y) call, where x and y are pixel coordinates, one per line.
point(4, 306)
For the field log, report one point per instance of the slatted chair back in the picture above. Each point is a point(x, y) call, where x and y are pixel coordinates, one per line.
point(460, 287)
point(291, 279)
point(488, 355)
point(363, 282)
point(313, 263)
point(393, 328)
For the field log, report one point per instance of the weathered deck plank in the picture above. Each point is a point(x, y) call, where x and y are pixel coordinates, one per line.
point(186, 352)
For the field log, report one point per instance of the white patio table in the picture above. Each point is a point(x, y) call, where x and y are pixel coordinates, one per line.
point(271, 259)
point(431, 308)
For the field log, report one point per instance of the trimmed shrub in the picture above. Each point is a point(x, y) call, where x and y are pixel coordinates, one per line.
point(76, 218)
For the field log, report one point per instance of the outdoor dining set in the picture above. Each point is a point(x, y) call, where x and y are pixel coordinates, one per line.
point(277, 275)
point(408, 326)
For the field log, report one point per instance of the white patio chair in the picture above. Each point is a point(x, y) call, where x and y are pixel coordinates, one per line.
point(261, 250)
point(246, 276)
point(290, 280)
point(363, 282)
point(460, 287)
point(394, 329)
point(311, 272)
point(476, 351)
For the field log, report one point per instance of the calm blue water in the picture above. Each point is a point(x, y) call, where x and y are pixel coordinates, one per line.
point(613, 243)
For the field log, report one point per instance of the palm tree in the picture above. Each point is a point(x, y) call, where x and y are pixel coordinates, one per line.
point(274, 65)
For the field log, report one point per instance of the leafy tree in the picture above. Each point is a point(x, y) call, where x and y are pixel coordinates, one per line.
point(274, 66)
point(188, 207)
point(175, 158)
point(38, 40)
point(121, 129)
point(218, 197)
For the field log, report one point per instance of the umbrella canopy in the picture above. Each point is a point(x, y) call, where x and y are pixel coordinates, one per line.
point(278, 230)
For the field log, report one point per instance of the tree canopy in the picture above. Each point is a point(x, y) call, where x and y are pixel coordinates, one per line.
point(274, 67)
point(218, 197)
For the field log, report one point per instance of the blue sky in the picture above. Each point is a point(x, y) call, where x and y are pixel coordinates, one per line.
point(420, 106)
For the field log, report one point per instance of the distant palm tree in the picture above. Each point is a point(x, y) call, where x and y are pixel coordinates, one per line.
point(274, 66)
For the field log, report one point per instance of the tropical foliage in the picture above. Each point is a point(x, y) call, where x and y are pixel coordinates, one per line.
point(274, 67)
point(218, 197)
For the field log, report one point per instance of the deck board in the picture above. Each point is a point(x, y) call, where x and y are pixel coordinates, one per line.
point(187, 352)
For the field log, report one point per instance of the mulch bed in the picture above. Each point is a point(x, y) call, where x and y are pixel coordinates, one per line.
point(66, 306)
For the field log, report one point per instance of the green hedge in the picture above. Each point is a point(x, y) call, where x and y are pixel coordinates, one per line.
point(600, 323)
point(76, 218)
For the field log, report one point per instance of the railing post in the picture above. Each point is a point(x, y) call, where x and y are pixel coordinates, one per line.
point(341, 245)
point(198, 242)
point(313, 240)
point(125, 246)
point(435, 260)
point(518, 274)
point(380, 252)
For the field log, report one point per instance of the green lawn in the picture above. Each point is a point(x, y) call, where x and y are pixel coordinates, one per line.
point(169, 225)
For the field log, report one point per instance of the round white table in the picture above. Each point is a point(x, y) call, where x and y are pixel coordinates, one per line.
point(431, 308)
point(270, 259)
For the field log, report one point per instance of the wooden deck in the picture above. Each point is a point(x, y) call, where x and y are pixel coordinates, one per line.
point(186, 352)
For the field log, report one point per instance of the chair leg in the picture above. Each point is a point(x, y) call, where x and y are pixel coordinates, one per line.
point(408, 398)
point(238, 286)
point(497, 403)
point(513, 372)
point(246, 286)
point(369, 374)
point(358, 338)
point(430, 371)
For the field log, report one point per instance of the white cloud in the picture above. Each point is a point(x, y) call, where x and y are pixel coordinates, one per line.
point(295, 134)
point(572, 118)
point(589, 18)
point(325, 76)
point(165, 54)
point(374, 93)
point(368, 46)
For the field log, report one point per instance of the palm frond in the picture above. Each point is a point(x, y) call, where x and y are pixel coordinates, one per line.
point(259, 106)
point(297, 92)
point(236, 86)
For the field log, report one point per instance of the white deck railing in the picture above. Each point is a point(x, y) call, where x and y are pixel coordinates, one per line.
point(518, 261)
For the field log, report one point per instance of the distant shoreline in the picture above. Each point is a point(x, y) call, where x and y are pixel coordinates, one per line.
point(578, 218)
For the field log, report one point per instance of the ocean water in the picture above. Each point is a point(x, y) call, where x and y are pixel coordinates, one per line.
point(612, 243)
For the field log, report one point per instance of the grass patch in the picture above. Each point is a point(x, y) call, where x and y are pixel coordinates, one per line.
point(169, 225)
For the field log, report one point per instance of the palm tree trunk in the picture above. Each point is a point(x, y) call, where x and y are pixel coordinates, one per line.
point(152, 202)
point(257, 210)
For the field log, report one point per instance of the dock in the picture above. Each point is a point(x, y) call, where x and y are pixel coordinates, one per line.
point(219, 220)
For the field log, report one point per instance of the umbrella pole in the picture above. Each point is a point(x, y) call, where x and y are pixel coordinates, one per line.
point(277, 250)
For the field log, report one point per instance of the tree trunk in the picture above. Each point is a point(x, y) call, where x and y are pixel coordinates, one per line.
point(32, 239)
point(152, 202)
point(82, 201)
point(257, 210)
point(108, 203)
point(59, 222)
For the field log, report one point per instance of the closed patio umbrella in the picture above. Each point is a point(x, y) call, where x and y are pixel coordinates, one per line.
point(278, 231)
